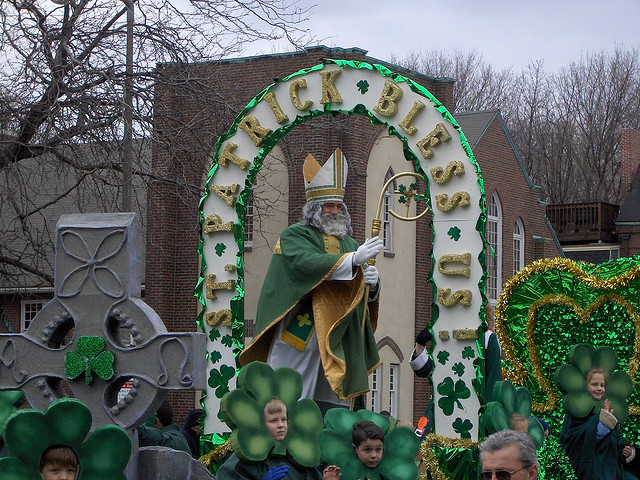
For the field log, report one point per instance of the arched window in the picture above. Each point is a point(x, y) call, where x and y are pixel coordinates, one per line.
point(518, 246)
point(387, 218)
point(494, 250)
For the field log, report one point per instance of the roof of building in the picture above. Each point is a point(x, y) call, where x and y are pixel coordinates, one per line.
point(55, 190)
point(337, 53)
point(475, 124)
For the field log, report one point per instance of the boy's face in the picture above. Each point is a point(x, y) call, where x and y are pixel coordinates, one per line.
point(57, 472)
point(369, 452)
point(276, 424)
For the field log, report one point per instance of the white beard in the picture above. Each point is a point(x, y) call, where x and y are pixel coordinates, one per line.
point(335, 225)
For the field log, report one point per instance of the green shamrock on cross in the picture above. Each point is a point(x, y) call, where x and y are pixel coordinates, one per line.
point(90, 357)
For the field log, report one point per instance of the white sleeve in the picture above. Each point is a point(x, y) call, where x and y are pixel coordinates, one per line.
point(418, 361)
point(345, 270)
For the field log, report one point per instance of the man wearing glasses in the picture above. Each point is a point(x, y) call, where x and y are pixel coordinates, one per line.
point(507, 455)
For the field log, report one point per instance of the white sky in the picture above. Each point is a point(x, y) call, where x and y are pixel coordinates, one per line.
point(507, 33)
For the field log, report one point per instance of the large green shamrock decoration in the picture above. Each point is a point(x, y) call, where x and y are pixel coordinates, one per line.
point(67, 421)
point(570, 379)
point(10, 400)
point(508, 401)
point(90, 357)
point(400, 447)
point(243, 411)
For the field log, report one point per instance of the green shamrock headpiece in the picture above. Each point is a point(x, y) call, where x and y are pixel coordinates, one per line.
point(10, 400)
point(401, 445)
point(243, 411)
point(67, 421)
point(570, 379)
point(509, 401)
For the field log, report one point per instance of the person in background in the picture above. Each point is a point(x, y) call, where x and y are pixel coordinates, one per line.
point(508, 455)
point(163, 433)
point(191, 431)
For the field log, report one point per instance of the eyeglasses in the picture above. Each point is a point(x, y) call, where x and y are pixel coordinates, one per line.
point(500, 474)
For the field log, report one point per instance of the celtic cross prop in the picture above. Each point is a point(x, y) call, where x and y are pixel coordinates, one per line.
point(97, 334)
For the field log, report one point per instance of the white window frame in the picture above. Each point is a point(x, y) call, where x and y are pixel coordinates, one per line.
point(28, 310)
point(394, 379)
point(494, 240)
point(387, 218)
point(248, 222)
point(376, 378)
point(518, 246)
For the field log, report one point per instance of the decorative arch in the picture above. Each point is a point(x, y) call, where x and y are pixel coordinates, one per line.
point(433, 145)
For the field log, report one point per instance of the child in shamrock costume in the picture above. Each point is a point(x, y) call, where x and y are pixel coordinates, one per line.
point(58, 462)
point(274, 466)
point(594, 444)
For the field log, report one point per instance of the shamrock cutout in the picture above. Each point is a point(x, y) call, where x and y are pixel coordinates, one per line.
point(570, 379)
point(511, 401)
point(451, 394)
point(363, 86)
point(220, 379)
point(243, 411)
point(89, 358)
point(215, 356)
point(443, 357)
point(214, 334)
point(400, 447)
point(227, 341)
point(220, 248)
point(462, 427)
point(454, 233)
point(67, 421)
point(458, 368)
point(468, 353)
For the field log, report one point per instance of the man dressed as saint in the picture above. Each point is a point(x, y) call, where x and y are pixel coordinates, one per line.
point(312, 314)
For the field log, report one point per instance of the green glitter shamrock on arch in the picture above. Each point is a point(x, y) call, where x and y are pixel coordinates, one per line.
point(510, 401)
point(401, 445)
point(243, 411)
point(570, 378)
point(103, 455)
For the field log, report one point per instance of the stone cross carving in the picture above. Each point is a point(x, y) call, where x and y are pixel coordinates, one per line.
point(97, 294)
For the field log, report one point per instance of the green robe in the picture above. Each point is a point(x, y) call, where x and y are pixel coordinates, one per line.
point(297, 278)
point(591, 459)
point(234, 469)
point(169, 436)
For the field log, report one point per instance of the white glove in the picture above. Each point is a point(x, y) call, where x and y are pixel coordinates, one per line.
point(369, 249)
point(371, 275)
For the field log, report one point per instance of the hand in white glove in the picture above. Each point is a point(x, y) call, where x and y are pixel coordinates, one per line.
point(371, 275)
point(369, 249)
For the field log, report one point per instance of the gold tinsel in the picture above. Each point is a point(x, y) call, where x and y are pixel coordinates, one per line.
point(216, 454)
point(429, 457)
point(519, 374)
